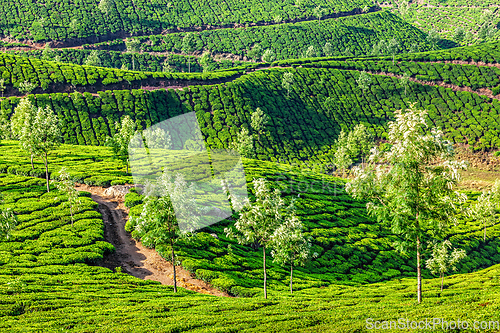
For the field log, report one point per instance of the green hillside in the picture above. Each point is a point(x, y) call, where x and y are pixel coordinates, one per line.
point(352, 248)
point(74, 261)
point(325, 98)
point(353, 35)
point(445, 17)
point(46, 272)
point(53, 20)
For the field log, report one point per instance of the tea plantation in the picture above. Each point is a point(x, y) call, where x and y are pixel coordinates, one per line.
point(48, 280)
point(313, 69)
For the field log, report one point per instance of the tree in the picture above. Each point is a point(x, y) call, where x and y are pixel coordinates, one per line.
point(22, 123)
point(352, 146)
point(46, 53)
point(73, 25)
point(26, 87)
point(441, 261)
point(243, 144)
point(207, 62)
point(403, 8)
point(268, 56)
point(105, 6)
point(46, 135)
point(166, 67)
point(259, 120)
point(404, 81)
point(166, 200)
point(486, 207)
point(188, 47)
point(287, 82)
point(487, 31)
point(120, 141)
point(133, 46)
point(158, 139)
point(364, 81)
point(8, 221)
point(67, 186)
point(277, 18)
point(380, 48)
point(433, 38)
point(93, 59)
point(459, 35)
point(310, 52)
point(410, 186)
point(392, 48)
point(289, 244)
point(259, 221)
point(342, 160)
point(2, 86)
point(255, 52)
point(319, 12)
point(328, 49)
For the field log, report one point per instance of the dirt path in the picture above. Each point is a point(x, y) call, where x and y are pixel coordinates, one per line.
point(134, 258)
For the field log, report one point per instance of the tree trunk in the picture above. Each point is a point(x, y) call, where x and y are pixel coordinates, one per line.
point(32, 166)
point(291, 278)
point(173, 265)
point(47, 172)
point(265, 276)
point(419, 273)
point(442, 281)
point(189, 64)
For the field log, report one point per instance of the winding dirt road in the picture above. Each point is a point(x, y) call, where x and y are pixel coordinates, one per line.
point(134, 258)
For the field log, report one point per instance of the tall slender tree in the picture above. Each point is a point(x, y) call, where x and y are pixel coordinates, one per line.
point(133, 46)
point(166, 200)
point(120, 141)
point(287, 82)
point(290, 246)
point(410, 187)
point(22, 123)
point(258, 221)
point(486, 208)
point(67, 186)
point(8, 220)
point(46, 135)
point(189, 46)
point(443, 261)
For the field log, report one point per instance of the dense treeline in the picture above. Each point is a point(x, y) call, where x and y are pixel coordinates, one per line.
point(354, 35)
point(56, 20)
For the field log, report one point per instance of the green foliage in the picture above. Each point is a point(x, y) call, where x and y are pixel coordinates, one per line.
point(8, 220)
point(93, 59)
point(411, 187)
point(119, 143)
point(26, 20)
point(167, 201)
point(364, 81)
point(259, 120)
point(67, 187)
point(357, 33)
point(484, 210)
point(287, 82)
point(441, 261)
point(145, 62)
point(268, 56)
point(259, 222)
